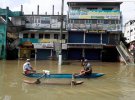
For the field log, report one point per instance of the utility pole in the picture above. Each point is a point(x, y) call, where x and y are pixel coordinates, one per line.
point(61, 31)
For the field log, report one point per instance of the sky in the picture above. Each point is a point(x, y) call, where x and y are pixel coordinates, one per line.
point(29, 6)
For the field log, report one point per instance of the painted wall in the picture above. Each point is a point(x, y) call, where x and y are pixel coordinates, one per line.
point(43, 54)
point(75, 37)
point(74, 54)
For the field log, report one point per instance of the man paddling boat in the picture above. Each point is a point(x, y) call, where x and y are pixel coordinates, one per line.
point(87, 69)
point(27, 68)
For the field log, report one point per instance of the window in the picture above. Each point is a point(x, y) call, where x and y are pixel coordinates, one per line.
point(112, 21)
point(107, 8)
point(76, 21)
point(131, 30)
point(31, 20)
point(35, 20)
point(47, 36)
point(88, 21)
point(40, 36)
point(100, 21)
point(106, 22)
point(63, 36)
point(92, 8)
point(25, 35)
point(55, 36)
point(32, 36)
point(71, 21)
point(75, 8)
point(94, 21)
point(82, 21)
point(116, 22)
point(38, 20)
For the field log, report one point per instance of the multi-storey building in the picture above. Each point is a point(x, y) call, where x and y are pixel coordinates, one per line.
point(40, 36)
point(90, 30)
point(94, 28)
point(7, 27)
point(129, 31)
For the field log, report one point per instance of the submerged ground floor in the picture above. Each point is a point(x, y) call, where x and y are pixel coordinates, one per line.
point(105, 54)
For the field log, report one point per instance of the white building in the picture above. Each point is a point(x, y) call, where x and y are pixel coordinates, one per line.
point(129, 31)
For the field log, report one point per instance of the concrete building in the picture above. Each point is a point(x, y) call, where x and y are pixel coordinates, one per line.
point(94, 29)
point(129, 31)
point(7, 27)
point(90, 30)
point(40, 38)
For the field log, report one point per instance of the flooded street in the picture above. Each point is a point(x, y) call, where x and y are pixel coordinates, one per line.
point(118, 83)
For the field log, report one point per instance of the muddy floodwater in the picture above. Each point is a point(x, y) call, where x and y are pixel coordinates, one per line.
point(118, 83)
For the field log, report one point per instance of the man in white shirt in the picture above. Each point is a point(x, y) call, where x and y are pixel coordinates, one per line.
point(27, 68)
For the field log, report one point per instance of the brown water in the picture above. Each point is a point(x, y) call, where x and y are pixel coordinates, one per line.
point(118, 83)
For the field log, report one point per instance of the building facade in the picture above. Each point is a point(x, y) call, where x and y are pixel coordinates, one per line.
point(90, 30)
point(94, 29)
point(7, 27)
point(41, 37)
point(129, 31)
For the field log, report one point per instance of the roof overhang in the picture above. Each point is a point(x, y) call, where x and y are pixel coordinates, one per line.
point(95, 2)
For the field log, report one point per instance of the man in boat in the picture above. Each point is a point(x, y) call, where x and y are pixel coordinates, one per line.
point(27, 68)
point(87, 69)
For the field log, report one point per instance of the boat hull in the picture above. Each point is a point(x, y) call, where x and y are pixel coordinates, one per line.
point(37, 75)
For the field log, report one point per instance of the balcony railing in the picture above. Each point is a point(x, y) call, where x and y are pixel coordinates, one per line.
point(41, 40)
point(108, 27)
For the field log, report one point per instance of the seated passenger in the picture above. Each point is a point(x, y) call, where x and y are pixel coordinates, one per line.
point(27, 68)
point(87, 69)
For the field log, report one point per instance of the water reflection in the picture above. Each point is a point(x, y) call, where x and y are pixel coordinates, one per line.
point(117, 84)
point(59, 68)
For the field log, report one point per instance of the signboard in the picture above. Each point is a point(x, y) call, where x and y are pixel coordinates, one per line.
point(51, 40)
point(94, 14)
point(43, 45)
point(96, 31)
point(56, 46)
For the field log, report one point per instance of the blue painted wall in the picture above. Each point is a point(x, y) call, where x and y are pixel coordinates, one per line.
point(75, 37)
point(105, 38)
point(75, 54)
point(43, 54)
point(92, 54)
point(92, 38)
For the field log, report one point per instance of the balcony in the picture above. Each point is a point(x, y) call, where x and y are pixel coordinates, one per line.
point(94, 14)
point(108, 27)
point(41, 40)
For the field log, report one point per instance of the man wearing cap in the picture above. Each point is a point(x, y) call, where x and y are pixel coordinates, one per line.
point(27, 68)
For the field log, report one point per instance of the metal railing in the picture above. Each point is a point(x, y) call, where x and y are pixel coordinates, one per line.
point(127, 57)
point(109, 27)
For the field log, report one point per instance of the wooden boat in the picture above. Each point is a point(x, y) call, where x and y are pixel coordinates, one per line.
point(38, 75)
